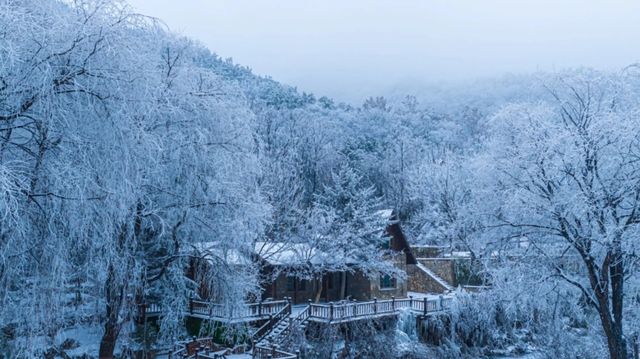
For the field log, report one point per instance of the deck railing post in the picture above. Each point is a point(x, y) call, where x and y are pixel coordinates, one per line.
point(191, 305)
point(260, 308)
point(297, 354)
point(393, 303)
point(441, 302)
point(426, 301)
point(375, 305)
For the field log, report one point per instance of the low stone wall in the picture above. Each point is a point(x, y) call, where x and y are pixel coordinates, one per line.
point(475, 288)
point(442, 267)
point(419, 281)
point(428, 251)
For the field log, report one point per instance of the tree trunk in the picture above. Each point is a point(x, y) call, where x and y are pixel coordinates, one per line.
point(610, 305)
point(612, 330)
point(318, 290)
point(617, 348)
point(114, 296)
point(343, 285)
point(108, 341)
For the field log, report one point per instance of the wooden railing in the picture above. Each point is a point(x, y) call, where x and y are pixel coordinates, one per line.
point(273, 321)
point(318, 312)
point(268, 353)
point(247, 312)
point(278, 311)
point(192, 349)
point(151, 309)
point(301, 317)
point(294, 322)
point(333, 312)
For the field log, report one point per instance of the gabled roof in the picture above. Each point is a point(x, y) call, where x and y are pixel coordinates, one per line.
point(399, 242)
point(293, 254)
point(213, 251)
point(273, 253)
point(299, 253)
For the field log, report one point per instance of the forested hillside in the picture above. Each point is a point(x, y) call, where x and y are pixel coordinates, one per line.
point(123, 145)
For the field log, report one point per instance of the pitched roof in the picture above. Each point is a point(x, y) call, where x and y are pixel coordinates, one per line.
point(292, 254)
point(273, 253)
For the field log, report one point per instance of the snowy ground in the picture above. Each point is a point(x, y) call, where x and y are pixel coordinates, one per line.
point(428, 295)
point(87, 337)
point(296, 309)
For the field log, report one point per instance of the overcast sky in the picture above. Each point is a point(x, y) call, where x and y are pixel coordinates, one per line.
point(351, 48)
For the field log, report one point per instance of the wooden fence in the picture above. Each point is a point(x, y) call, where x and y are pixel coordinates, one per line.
point(246, 312)
point(347, 311)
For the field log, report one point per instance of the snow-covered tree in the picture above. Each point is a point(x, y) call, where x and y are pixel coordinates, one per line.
point(568, 176)
point(119, 151)
point(348, 224)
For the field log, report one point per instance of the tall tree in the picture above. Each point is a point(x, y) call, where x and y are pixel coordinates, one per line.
point(569, 177)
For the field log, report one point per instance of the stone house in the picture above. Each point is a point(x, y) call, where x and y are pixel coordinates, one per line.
point(279, 270)
point(283, 264)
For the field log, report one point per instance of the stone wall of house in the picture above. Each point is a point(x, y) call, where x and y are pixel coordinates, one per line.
point(419, 281)
point(428, 251)
point(358, 286)
point(401, 287)
point(444, 268)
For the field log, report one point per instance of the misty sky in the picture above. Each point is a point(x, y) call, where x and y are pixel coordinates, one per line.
point(348, 49)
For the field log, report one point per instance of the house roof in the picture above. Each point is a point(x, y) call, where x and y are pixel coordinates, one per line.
point(213, 251)
point(299, 253)
point(292, 254)
point(273, 253)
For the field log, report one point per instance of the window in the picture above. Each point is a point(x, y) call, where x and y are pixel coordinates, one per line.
point(291, 284)
point(386, 242)
point(387, 282)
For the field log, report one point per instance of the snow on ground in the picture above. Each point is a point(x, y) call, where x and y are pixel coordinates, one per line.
point(296, 309)
point(87, 340)
point(420, 295)
point(87, 337)
point(523, 356)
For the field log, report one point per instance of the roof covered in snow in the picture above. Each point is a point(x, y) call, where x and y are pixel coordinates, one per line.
point(213, 252)
point(273, 253)
point(292, 254)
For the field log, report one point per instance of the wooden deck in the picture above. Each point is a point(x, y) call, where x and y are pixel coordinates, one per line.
point(338, 312)
point(280, 321)
point(250, 312)
point(350, 311)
